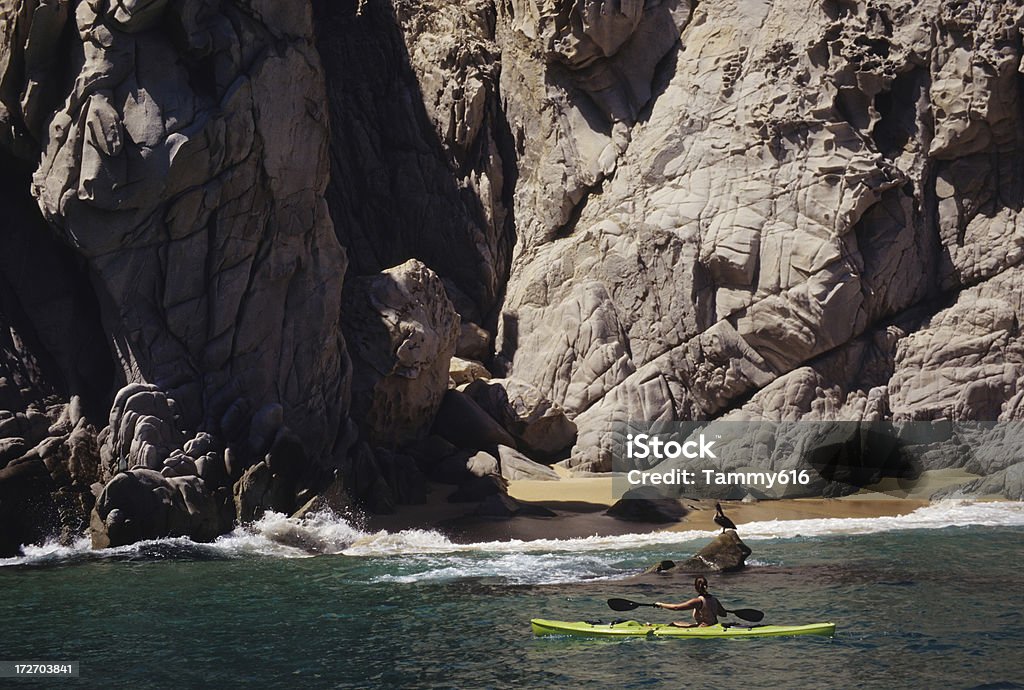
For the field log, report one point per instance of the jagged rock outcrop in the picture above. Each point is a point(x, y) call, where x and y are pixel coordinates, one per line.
point(1006, 483)
point(184, 158)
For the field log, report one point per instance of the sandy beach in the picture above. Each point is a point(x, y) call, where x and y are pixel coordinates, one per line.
point(580, 502)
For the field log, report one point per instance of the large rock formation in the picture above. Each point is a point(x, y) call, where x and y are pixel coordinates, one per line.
point(654, 211)
point(184, 156)
point(807, 185)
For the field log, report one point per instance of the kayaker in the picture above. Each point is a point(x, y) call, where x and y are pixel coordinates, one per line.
point(706, 607)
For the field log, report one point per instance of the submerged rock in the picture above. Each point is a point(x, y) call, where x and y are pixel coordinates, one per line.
point(726, 553)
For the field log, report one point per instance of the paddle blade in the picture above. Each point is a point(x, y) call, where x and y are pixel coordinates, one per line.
point(752, 615)
point(622, 604)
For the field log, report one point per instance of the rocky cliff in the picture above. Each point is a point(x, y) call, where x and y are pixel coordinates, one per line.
point(662, 210)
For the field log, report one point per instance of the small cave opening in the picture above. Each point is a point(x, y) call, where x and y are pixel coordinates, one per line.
point(897, 112)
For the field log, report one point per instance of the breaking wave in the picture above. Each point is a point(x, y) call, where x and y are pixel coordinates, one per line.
point(278, 536)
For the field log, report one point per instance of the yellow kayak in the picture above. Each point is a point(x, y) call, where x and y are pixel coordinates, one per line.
point(635, 629)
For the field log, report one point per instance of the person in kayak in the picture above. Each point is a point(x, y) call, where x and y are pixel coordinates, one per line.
point(705, 606)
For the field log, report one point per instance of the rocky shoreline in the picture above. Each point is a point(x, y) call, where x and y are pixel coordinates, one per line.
point(337, 254)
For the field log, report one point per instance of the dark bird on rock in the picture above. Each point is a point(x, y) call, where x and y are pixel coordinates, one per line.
point(722, 521)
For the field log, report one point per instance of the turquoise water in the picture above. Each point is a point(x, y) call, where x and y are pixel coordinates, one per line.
point(925, 607)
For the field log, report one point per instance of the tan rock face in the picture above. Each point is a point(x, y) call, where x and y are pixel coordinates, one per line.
point(807, 184)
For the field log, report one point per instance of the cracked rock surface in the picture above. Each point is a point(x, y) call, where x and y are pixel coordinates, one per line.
point(665, 211)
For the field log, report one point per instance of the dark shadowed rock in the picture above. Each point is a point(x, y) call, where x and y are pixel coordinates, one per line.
point(503, 507)
point(27, 511)
point(430, 451)
point(452, 469)
point(464, 423)
point(477, 489)
point(333, 499)
point(402, 474)
point(474, 342)
point(499, 506)
point(143, 504)
point(537, 424)
point(11, 448)
point(639, 506)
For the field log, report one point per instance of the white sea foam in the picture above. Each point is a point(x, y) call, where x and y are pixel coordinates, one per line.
point(513, 568)
point(276, 535)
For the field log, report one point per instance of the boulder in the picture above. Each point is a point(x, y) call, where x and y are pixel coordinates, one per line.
point(474, 342)
point(142, 504)
point(463, 371)
point(637, 505)
point(212, 470)
point(725, 554)
point(461, 421)
point(661, 567)
point(251, 493)
point(333, 499)
point(482, 464)
point(503, 507)
point(401, 330)
point(477, 489)
point(515, 465)
point(143, 431)
point(539, 426)
point(463, 466)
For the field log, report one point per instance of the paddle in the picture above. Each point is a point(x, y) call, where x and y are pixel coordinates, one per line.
point(752, 615)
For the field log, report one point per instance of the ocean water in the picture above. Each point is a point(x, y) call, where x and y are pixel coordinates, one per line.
point(932, 599)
